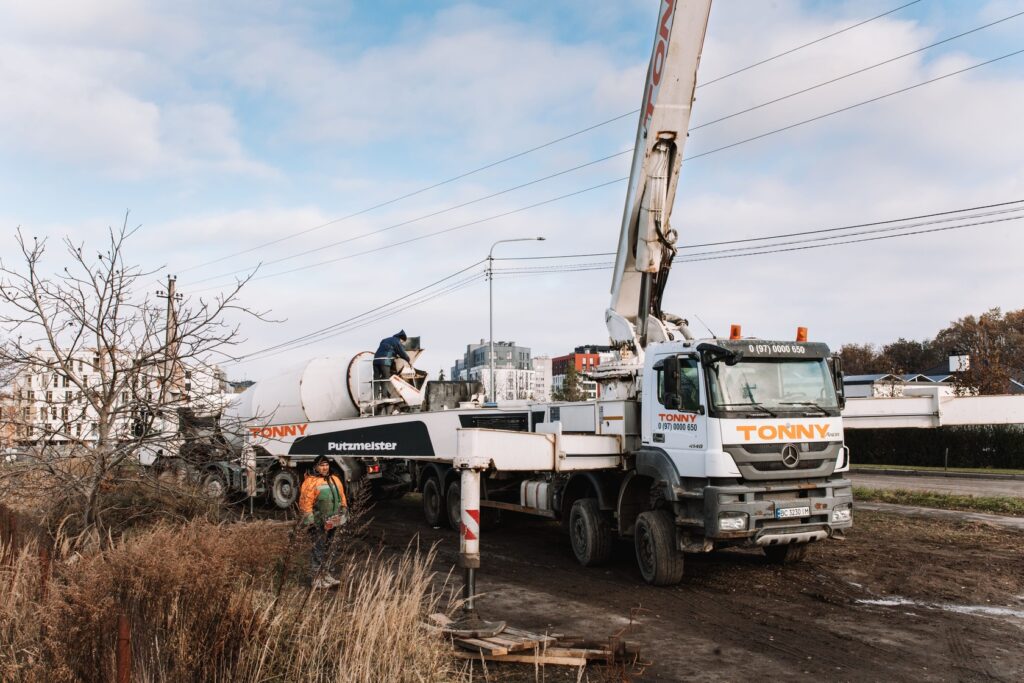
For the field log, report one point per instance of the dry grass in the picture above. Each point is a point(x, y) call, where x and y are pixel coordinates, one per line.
point(215, 603)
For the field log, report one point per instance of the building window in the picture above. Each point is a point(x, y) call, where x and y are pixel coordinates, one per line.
point(42, 413)
point(67, 381)
point(49, 397)
point(55, 380)
point(64, 413)
point(67, 397)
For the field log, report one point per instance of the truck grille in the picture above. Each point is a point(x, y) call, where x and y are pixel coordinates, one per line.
point(764, 460)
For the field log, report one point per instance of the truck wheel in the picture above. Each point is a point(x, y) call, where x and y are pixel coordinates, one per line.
point(284, 488)
point(661, 564)
point(454, 501)
point(791, 553)
point(212, 484)
point(434, 511)
point(589, 533)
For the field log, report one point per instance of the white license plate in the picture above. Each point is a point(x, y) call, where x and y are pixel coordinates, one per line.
point(783, 513)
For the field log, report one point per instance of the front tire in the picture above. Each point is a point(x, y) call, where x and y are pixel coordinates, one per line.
point(589, 533)
point(284, 488)
point(791, 553)
point(660, 562)
point(434, 511)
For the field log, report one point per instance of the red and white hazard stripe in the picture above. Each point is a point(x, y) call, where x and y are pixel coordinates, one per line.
point(469, 542)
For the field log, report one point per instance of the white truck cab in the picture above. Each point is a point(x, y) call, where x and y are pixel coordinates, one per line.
point(747, 435)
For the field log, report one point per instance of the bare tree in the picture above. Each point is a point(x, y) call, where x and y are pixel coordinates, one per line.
point(101, 371)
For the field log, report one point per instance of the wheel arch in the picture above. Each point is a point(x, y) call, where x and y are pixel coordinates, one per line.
point(435, 470)
point(587, 485)
point(653, 470)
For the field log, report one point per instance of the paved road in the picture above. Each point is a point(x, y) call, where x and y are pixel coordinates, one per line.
point(965, 486)
point(1002, 521)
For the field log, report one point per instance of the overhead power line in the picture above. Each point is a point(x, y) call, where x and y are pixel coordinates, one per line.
point(588, 164)
point(419, 218)
point(813, 42)
point(424, 294)
point(334, 326)
point(722, 148)
point(530, 150)
point(453, 228)
point(852, 73)
point(368, 318)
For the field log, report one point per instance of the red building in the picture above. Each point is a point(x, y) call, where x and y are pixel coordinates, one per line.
point(583, 359)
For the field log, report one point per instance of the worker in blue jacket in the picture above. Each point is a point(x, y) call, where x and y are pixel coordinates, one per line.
point(384, 360)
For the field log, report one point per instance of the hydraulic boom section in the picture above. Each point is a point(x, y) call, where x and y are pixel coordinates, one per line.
point(647, 240)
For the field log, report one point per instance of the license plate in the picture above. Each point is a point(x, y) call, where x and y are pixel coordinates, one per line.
point(784, 513)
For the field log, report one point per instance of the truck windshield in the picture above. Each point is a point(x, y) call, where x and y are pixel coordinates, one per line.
point(773, 385)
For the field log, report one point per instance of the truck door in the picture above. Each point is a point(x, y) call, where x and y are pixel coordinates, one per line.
point(675, 414)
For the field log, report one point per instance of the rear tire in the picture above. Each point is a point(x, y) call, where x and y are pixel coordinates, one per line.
point(434, 511)
point(791, 553)
point(589, 533)
point(453, 499)
point(214, 487)
point(661, 564)
point(283, 489)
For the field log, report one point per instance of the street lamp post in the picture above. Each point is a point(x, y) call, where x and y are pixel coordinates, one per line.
point(490, 282)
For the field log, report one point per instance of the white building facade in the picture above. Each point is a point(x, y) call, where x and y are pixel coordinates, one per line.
point(48, 401)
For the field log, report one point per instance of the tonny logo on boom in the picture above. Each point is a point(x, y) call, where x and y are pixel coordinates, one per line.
point(658, 60)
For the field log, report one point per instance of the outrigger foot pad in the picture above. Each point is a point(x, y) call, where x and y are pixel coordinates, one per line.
point(474, 627)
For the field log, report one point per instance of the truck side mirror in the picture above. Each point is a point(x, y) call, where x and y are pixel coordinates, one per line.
point(673, 401)
point(836, 365)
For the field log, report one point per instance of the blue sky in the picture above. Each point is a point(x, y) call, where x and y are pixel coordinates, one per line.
point(223, 127)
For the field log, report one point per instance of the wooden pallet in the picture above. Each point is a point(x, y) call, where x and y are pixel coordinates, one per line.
point(521, 646)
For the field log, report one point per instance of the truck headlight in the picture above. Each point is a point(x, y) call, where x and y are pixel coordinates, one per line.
point(842, 513)
point(732, 521)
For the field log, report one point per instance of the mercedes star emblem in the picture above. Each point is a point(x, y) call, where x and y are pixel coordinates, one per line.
point(790, 455)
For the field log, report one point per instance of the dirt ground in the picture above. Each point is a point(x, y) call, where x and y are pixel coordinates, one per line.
point(899, 600)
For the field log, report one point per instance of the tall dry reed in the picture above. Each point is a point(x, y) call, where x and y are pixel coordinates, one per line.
point(207, 602)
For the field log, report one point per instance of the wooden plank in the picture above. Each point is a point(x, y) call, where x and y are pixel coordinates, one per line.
point(527, 659)
point(578, 652)
point(481, 646)
point(510, 644)
point(540, 638)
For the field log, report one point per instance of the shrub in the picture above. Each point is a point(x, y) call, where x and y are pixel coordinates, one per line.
point(996, 446)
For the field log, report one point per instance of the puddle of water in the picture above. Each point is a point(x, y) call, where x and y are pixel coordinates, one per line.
point(985, 610)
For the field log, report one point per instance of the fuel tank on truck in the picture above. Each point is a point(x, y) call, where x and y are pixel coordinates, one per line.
point(330, 388)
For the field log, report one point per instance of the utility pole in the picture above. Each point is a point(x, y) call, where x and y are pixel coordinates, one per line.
point(490, 307)
point(171, 363)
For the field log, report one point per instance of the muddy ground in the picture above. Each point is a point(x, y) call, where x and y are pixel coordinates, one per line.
point(899, 599)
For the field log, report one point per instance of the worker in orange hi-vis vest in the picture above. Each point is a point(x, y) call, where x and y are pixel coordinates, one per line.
point(322, 509)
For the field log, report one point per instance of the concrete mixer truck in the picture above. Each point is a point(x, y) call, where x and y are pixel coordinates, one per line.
point(266, 437)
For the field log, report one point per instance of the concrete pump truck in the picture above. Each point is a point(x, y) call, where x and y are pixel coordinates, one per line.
point(692, 445)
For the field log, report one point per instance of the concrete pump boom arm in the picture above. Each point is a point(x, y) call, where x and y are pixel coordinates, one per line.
point(646, 241)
